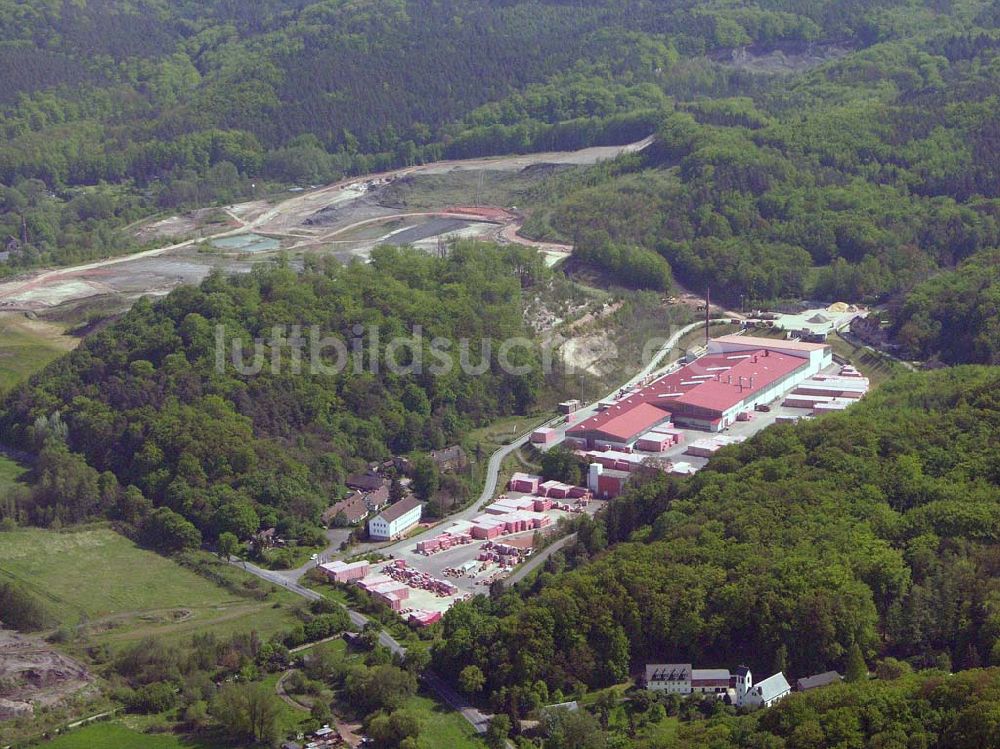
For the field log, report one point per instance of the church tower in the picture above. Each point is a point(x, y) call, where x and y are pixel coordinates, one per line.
point(744, 682)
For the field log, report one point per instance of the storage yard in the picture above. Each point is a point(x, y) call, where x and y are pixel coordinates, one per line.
point(459, 559)
point(675, 421)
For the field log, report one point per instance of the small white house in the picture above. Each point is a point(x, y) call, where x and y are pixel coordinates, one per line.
point(762, 694)
point(395, 520)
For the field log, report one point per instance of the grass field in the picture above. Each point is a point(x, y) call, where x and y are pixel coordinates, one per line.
point(503, 431)
point(26, 346)
point(124, 592)
point(660, 734)
point(290, 719)
point(442, 726)
point(119, 736)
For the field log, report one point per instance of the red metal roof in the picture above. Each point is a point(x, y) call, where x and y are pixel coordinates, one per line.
point(710, 384)
point(623, 421)
point(726, 392)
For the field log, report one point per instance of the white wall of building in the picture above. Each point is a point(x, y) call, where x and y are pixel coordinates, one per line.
point(818, 361)
point(670, 687)
point(378, 528)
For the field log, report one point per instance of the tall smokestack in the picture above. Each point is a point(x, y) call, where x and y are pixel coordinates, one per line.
point(708, 304)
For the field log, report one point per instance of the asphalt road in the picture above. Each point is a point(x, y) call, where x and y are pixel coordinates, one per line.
point(528, 567)
point(496, 460)
point(479, 720)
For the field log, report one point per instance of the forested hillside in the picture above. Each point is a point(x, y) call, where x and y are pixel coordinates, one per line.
point(194, 84)
point(152, 404)
point(110, 109)
point(877, 528)
point(955, 316)
point(855, 181)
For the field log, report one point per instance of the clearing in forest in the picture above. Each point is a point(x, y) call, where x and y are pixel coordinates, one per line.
point(122, 592)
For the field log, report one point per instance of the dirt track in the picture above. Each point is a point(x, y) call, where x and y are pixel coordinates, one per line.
point(354, 208)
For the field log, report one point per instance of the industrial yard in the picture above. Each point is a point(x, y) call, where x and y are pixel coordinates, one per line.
point(673, 421)
point(455, 560)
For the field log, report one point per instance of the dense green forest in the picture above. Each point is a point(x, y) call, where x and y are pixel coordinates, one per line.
point(870, 173)
point(854, 181)
point(153, 405)
point(955, 316)
point(112, 109)
point(142, 88)
point(877, 528)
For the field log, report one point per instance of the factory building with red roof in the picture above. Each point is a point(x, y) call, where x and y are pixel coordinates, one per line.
point(737, 373)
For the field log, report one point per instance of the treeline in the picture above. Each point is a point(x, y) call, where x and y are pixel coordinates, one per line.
point(212, 684)
point(954, 317)
point(874, 530)
point(157, 423)
point(854, 181)
point(192, 103)
point(21, 610)
point(935, 710)
point(629, 265)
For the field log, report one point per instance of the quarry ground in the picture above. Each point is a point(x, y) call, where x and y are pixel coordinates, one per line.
point(34, 676)
point(420, 205)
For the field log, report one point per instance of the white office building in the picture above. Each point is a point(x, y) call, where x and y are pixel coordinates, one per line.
point(395, 520)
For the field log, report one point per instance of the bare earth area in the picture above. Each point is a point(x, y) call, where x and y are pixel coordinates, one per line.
point(33, 675)
point(346, 219)
point(195, 224)
point(782, 59)
point(592, 353)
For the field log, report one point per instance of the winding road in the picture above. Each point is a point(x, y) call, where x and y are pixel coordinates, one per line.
point(49, 288)
point(495, 464)
point(478, 719)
